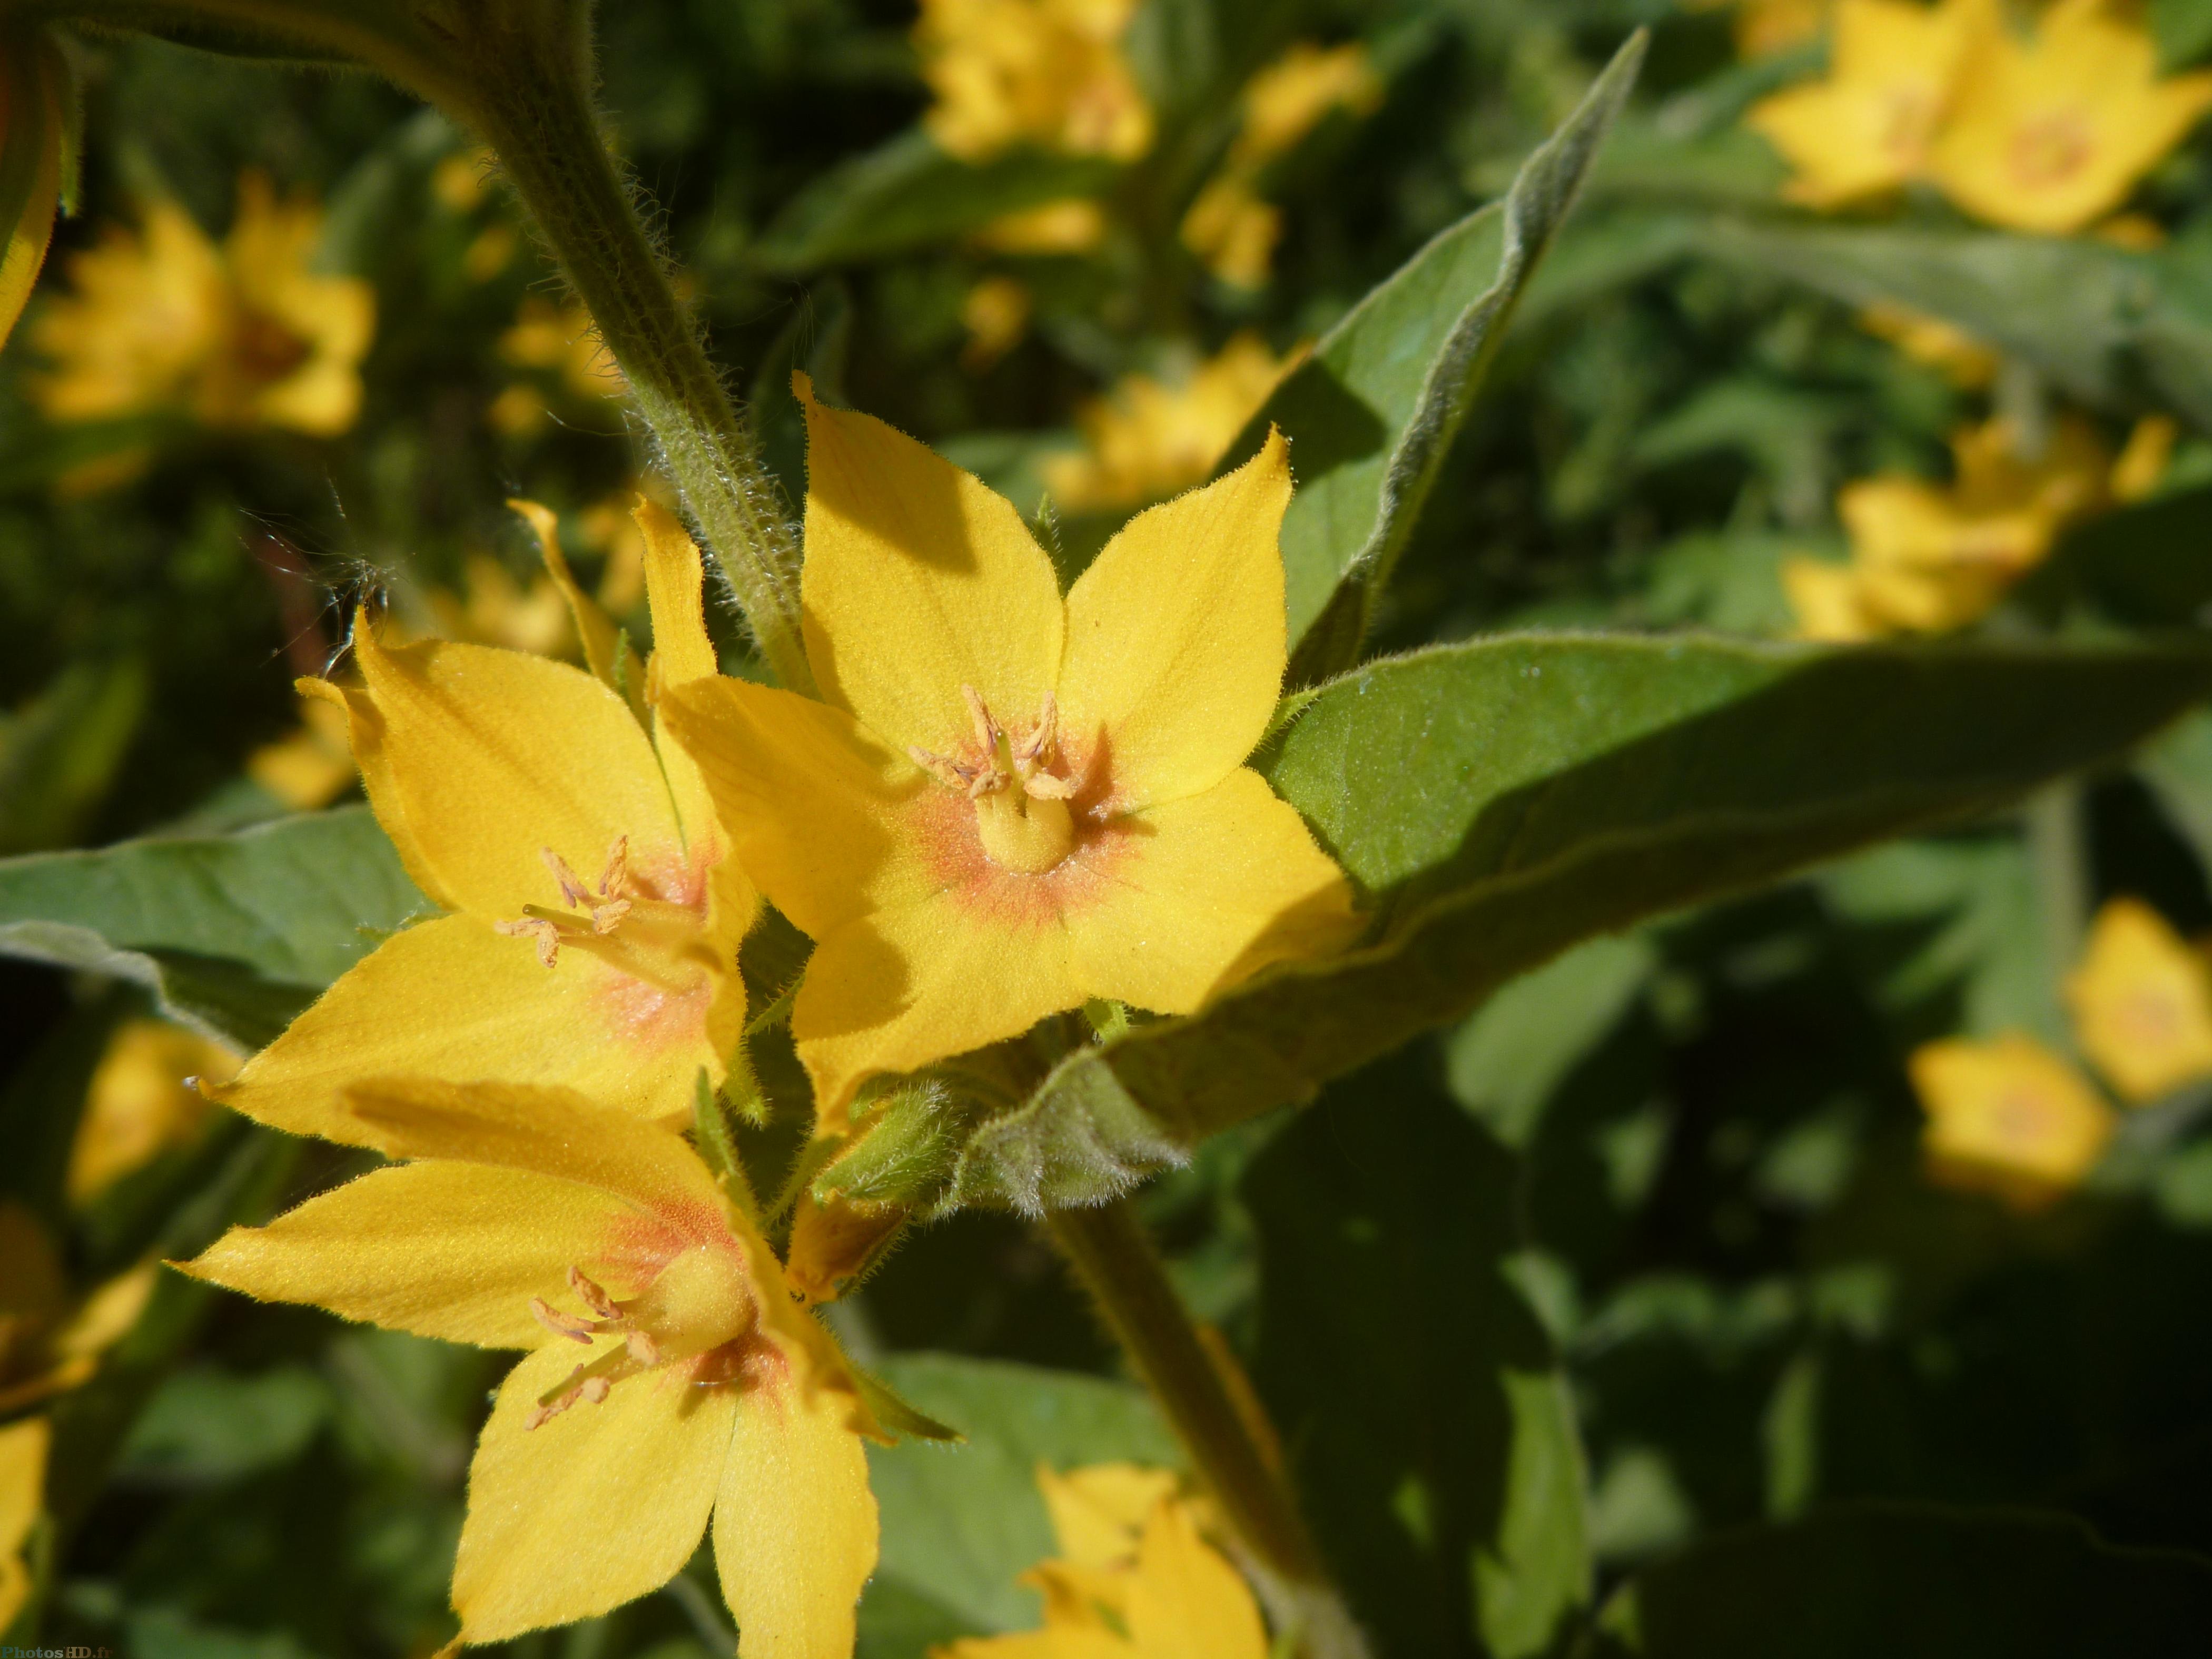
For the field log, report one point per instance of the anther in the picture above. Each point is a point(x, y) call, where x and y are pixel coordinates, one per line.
point(986, 729)
point(642, 1348)
point(573, 890)
point(547, 935)
point(593, 1296)
point(617, 870)
point(560, 1324)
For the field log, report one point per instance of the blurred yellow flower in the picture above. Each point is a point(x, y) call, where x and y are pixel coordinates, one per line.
point(1287, 99)
point(140, 1103)
point(2049, 134)
point(497, 609)
point(244, 336)
point(1927, 558)
point(33, 90)
point(1071, 225)
point(22, 1498)
point(1233, 232)
point(1769, 25)
point(1228, 226)
point(2141, 1002)
point(592, 914)
point(1043, 72)
point(2143, 460)
point(1149, 438)
point(51, 1340)
point(1962, 359)
point(1135, 1579)
point(1866, 128)
point(546, 336)
point(1011, 801)
point(2007, 1116)
point(996, 314)
point(668, 1375)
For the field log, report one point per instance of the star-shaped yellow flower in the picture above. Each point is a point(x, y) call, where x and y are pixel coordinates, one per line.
point(593, 917)
point(668, 1374)
point(1866, 128)
point(2141, 1002)
point(22, 1496)
point(1009, 802)
point(244, 336)
point(141, 1103)
point(2008, 1116)
point(2052, 133)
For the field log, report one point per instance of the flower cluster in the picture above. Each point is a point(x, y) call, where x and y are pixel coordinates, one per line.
point(2045, 133)
point(2012, 1116)
point(1008, 803)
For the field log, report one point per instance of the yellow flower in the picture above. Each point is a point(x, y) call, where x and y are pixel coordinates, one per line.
point(1232, 232)
point(1069, 225)
point(2007, 1116)
point(23, 1497)
point(1287, 99)
point(141, 1102)
point(593, 917)
point(997, 314)
point(562, 336)
point(2141, 1002)
point(310, 766)
point(1769, 25)
point(2049, 134)
point(1867, 127)
point(1010, 802)
point(499, 611)
point(1964, 361)
point(1135, 1580)
point(247, 336)
point(50, 1341)
point(668, 1374)
point(1147, 438)
point(1826, 600)
point(1043, 72)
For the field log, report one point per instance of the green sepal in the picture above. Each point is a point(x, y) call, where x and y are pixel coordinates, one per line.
point(897, 1415)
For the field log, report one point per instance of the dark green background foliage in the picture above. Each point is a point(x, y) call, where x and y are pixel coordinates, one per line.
point(1597, 1292)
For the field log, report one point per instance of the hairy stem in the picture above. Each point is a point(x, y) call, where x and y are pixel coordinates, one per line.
point(1116, 1264)
point(540, 123)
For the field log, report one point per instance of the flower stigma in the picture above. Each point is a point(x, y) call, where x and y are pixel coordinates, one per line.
point(1022, 816)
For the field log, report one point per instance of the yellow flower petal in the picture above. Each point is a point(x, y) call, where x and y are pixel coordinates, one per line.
point(1214, 887)
point(901, 987)
point(795, 1524)
point(1185, 1601)
point(674, 579)
point(34, 78)
point(2141, 1002)
point(1175, 643)
point(495, 757)
point(454, 1251)
point(601, 640)
point(1057, 1643)
point(815, 805)
point(554, 1132)
point(919, 580)
point(1099, 1511)
point(365, 735)
point(595, 1508)
point(22, 1495)
point(453, 1001)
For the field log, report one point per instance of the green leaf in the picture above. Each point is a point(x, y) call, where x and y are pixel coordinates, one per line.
point(910, 194)
point(2183, 29)
point(207, 1425)
point(1907, 1582)
point(961, 1522)
point(1372, 412)
point(1503, 1063)
point(60, 754)
point(1496, 802)
point(233, 934)
point(1431, 1429)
